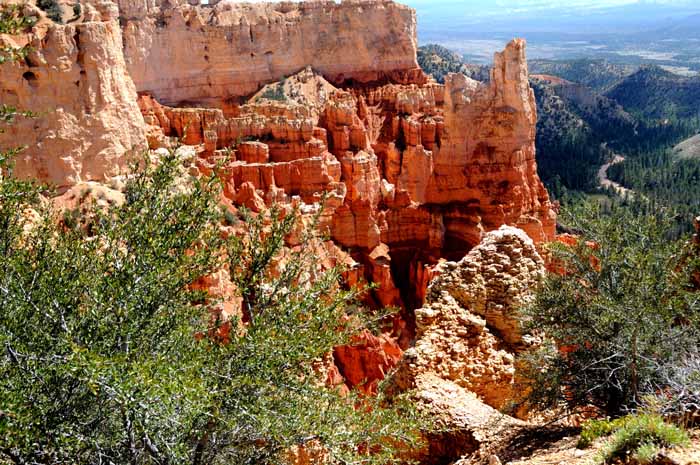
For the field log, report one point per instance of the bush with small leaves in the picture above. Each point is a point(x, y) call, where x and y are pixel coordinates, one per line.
point(621, 307)
point(100, 363)
point(595, 429)
point(642, 437)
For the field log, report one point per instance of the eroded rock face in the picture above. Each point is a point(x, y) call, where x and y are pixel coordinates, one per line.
point(409, 172)
point(462, 366)
point(75, 79)
point(418, 171)
point(209, 55)
point(468, 331)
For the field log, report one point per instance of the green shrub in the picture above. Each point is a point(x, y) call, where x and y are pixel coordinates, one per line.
point(594, 429)
point(621, 310)
point(275, 92)
point(99, 359)
point(646, 453)
point(641, 437)
point(12, 21)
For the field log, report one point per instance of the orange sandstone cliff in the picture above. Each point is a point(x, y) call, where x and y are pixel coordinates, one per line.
point(303, 103)
point(212, 55)
point(75, 79)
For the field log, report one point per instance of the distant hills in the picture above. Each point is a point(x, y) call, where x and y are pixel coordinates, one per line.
point(598, 74)
point(589, 109)
point(688, 28)
point(655, 93)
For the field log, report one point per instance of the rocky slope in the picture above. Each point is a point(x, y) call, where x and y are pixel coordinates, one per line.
point(462, 364)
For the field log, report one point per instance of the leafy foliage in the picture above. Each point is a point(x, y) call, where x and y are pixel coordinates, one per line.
point(642, 437)
point(12, 21)
point(594, 429)
point(620, 306)
point(101, 363)
point(275, 92)
point(663, 180)
point(77, 10)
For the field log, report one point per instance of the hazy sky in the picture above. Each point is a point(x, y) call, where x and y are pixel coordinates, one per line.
point(477, 7)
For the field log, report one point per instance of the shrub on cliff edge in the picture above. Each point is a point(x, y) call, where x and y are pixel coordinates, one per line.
point(52, 9)
point(619, 311)
point(100, 363)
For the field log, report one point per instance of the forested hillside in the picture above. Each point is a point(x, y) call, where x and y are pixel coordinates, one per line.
point(599, 75)
point(654, 93)
point(568, 150)
point(438, 61)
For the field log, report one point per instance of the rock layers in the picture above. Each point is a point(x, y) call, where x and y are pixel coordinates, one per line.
point(410, 173)
point(210, 55)
point(75, 79)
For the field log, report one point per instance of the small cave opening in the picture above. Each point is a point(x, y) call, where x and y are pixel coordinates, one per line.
point(31, 79)
point(447, 447)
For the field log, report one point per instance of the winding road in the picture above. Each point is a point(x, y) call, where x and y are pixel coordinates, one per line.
point(605, 182)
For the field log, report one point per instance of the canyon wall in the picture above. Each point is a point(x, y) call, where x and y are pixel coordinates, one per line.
point(87, 120)
point(409, 172)
point(414, 172)
point(210, 55)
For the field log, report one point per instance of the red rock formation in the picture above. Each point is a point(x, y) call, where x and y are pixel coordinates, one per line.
point(367, 361)
point(413, 172)
point(409, 171)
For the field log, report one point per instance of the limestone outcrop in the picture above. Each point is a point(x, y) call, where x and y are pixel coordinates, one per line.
point(462, 366)
point(75, 80)
point(211, 55)
point(468, 330)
